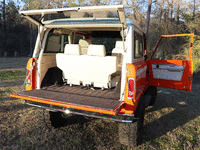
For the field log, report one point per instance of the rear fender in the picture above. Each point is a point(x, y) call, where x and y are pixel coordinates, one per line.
point(137, 72)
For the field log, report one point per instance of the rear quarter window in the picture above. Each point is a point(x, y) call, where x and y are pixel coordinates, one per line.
point(138, 45)
point(53, 44)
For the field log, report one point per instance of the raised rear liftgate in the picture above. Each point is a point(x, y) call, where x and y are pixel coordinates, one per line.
point(67, 17)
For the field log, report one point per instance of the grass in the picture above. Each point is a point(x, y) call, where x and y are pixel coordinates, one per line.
point(12, 75)
point(172, 123)
point(196, 64)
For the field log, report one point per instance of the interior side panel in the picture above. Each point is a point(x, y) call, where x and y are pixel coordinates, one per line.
point(175, 74)
point(168, 71)
point(48, 61)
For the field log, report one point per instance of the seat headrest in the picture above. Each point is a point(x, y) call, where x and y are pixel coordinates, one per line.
point(72, 49)
point(118, 47)
point(96, 50)
point(83, 42)
point(119, 44)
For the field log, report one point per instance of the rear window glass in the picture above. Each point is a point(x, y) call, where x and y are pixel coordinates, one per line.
point(55, 43)
point(74, 14)
point(139, 45)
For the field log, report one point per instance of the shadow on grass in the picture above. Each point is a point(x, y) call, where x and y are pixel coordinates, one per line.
point(13, 108)
point(61, 120)
point(74, 119)
point(196, 77)
point(79, 132)
point(6, 98)
point(175, 108)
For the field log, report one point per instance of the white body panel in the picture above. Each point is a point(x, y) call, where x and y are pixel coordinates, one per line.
point(130, 45)
point(81, 9)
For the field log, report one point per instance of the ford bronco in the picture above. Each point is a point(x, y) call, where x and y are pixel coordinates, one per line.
point(92, 61)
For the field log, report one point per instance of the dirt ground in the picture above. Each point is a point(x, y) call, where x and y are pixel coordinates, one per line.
point(172, 123)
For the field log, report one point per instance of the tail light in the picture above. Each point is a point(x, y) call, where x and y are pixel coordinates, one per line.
point(28, 75)
point(31, 74)
point(131, 88)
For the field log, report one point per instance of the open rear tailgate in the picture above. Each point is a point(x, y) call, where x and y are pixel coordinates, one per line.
point(39, 17)
point(105, 103)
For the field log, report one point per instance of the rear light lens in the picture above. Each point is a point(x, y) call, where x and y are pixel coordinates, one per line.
point(28, 74)
point(131, 88)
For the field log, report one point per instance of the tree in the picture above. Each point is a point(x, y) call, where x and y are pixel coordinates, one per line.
point(4, 29)
point(194, 9)
point(148, 18)
point(13, 20)
point(178, 11)
point(161, 8)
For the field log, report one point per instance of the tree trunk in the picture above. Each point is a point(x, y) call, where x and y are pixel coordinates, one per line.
point(161, 13)
point(172, 9)
point(166, 21)
point(177, 13)
point(194, 16)
point(194, 10)
point(4, 29)
point(148, 18)
point(21, 47)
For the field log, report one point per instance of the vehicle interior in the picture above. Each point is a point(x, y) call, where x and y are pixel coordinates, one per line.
point(89, 60)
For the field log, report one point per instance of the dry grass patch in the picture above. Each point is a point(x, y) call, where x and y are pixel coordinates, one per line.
point(172, 123)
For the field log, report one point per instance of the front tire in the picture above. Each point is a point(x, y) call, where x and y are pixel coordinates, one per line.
point(153, 90)
point(131, 134)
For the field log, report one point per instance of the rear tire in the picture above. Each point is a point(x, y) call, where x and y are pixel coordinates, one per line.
point(131, 134)
point(57, 119)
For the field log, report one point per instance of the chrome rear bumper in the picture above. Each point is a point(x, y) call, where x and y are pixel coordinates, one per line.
point(117, 118)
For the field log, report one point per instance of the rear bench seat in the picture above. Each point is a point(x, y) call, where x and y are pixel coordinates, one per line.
point(117, 51)
point(69, 63)
point(94, 68)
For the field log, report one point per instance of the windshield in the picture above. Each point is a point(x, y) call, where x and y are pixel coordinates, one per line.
point(106, 38)
point(56, 42)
